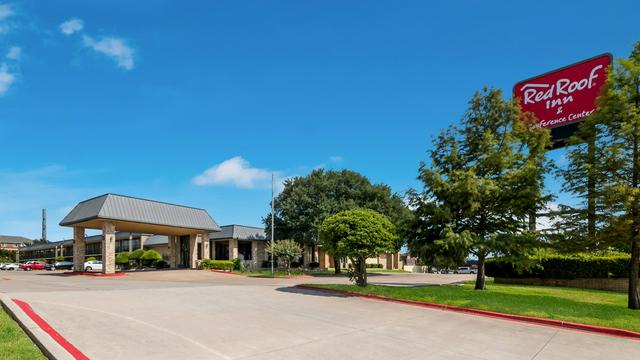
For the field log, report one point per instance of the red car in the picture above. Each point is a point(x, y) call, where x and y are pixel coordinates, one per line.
point(33, 265)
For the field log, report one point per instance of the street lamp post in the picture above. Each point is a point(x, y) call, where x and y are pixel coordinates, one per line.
point(272, 222)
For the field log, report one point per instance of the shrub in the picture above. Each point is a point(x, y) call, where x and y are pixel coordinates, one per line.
point(374, 266)
point(90, 258)
point(295, 264)
point(237, 264)
point(150, 256)
point(161, 264)
point(60, 258)
point(136, 256)
point(226, 265)
point(557, 266)
point(122, 258)
point(314, 265)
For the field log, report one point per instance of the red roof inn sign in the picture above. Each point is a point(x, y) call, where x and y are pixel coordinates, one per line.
point(560, 99)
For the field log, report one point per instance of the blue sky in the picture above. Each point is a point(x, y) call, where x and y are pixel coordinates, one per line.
point(197, 103)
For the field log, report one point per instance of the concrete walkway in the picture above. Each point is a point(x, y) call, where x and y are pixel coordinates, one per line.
point(205, 315)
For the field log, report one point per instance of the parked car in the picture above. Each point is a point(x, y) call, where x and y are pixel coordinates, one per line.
point(93, 265)
point(10, 267)
point(33, 265)
point(465, 270)
point(67, 265)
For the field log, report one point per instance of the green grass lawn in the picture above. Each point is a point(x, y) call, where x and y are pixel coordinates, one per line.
point(603, 308)
point(14, 343)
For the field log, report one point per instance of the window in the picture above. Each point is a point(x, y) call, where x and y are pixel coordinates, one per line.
point(244, 250)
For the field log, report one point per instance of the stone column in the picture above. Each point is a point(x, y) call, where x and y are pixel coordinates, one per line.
point(108, 247)
point(78, 248)
point(254, 254)
point(193, 250)
point(205, 246)
point(143, 238)
point(130, 242)
point(233, 249)
point(172, 253)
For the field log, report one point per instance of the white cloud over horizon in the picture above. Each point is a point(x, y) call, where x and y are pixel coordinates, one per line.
point(6, 79)
point(14, 53)
point(237, 172)
point(6, 11)
point(71, 26)
point(25, 192)
point(114, 48)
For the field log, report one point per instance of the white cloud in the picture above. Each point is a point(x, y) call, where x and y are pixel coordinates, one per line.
point(14, 53)
point(237, 172)
point(6, 79)
point(335, 158)
point(71, 26)
point(25, 192)
point(6, 11)
point(114, 48)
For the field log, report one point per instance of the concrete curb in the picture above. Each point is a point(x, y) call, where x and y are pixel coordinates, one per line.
point(519, 318)
point(85, 273)
point(49, 347)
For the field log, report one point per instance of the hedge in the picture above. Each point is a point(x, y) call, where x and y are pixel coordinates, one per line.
point(556, 266)
point(218, 264)
point(374, 266)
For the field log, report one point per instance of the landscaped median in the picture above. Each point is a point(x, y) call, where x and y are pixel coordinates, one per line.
point(566, 307)
point(14, 343)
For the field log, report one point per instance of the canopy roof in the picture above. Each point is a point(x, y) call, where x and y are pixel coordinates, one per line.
point(140, 215)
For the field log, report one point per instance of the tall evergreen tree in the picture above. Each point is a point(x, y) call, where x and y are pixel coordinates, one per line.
point(486, 176)
point(615, 131)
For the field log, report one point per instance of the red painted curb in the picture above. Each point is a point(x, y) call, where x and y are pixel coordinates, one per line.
point(77, 354)
point(225, 272)
point(93, 274)
point(520, 318)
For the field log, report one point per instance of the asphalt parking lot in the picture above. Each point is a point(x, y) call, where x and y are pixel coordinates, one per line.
point(204, 315)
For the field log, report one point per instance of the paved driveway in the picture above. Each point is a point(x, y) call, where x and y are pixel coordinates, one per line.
point(203, 315)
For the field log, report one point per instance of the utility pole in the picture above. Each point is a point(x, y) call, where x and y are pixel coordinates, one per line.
point(272, 222)
point(44, 225)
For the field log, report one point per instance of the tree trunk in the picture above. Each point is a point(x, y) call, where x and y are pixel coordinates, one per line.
point(591, 193)
point(480, 278)
point(336, 266)
point(360, 268)
point(634, 273)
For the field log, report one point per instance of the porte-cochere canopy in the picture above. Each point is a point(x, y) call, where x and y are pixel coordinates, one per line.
point(140, 215)
point(124, 213)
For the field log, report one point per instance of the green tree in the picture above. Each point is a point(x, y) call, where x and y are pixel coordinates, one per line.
point(615, 132)
point(359, 234)
point(286, 251)
point(485, 178)
point(306, 201)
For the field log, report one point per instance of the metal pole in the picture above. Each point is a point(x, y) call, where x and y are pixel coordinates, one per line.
point(272, 227)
